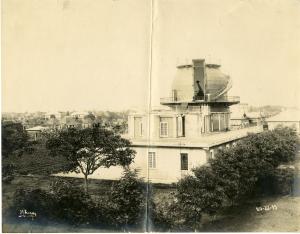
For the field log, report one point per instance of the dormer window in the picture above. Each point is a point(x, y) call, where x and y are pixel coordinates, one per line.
point(164, 129)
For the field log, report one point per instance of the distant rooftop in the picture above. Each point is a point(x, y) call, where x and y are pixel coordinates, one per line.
point(287, 115)
point(209, 65)
point(37, 128)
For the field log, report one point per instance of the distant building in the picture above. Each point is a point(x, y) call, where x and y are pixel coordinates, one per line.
point(70, 122)
point(35, 133)
point(79, 114)
point(286, 118)
point(53, 115)
point(245, 120)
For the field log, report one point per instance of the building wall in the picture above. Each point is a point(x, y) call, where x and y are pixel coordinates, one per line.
point(193, 125)
point(138, 127)
point(168, 165)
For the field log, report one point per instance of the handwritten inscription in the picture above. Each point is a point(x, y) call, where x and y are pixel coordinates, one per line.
point(266, 208)
point(27, 214)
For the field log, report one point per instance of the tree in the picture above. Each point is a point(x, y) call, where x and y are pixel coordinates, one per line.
point(126, 203)
point(91, 148)
point(234, 175)
point(15, 139)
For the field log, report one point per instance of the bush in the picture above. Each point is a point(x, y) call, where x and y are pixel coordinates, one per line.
point(7, 172)
point(71, 205)
point(126, 201)
point(280, 182)
point(284, 180)
point(64, 203)
point(36, 200)
point(233, 176)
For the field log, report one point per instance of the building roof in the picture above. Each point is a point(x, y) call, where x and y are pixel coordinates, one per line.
point(287, 115)
point(79, 113)
point(206, 141)
point(70, 120)
point(37, 128)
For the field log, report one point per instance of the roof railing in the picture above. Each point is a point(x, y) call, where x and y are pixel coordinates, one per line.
point(180, 100)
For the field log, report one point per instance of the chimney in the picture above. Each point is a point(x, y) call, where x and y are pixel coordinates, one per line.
point(199, 78)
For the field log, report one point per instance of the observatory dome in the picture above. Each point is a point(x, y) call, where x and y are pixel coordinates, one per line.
point(194, 81)
point(217, 83)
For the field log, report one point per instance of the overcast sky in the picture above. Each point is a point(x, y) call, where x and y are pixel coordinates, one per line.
point(95, 54)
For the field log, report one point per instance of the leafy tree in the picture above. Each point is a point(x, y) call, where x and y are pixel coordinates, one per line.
point(91, 148)
point(233, 175)
point(15, 142)
point(15, 139)
point(126, 201)
point(199, 194)
point(71, 204)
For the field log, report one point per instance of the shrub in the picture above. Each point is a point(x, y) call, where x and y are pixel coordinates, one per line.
point(127, 201)
point(165, 215)
point(7, 172)
point(64, 203)
point(284, 180)
point(197, 195)
point(36, 200)
point(234, 175)
point(71, 204)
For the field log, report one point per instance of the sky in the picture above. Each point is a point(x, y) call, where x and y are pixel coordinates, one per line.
point(100, 55)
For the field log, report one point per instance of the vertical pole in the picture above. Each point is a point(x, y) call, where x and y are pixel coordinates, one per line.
point(219, 115)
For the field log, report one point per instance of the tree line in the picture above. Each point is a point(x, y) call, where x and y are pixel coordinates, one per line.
point(235, 175)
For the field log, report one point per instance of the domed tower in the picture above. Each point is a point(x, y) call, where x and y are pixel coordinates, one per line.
point(202, 88)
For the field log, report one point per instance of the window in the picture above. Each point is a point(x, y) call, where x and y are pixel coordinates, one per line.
point(184, 161)
point(180, 126)
point(151, 160)
point(212, 154)
point(174, 94)
point(163, 129)
point(141, 129)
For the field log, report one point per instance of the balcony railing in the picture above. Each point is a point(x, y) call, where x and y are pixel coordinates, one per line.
point(227, 99)
point(166, 100)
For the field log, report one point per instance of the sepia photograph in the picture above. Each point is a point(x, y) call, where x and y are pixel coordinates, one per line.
point(150, 116)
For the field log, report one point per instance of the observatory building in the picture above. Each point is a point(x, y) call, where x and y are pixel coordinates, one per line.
point(187, 130)
point(170, 142)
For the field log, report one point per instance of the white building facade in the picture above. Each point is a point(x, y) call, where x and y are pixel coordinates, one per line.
point(194, 124)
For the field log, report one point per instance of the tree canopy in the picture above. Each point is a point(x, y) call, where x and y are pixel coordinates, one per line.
point(233, 176)
point(90, 148)
point(15, 139)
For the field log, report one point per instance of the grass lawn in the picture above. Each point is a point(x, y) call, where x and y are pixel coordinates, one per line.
point(247, 219)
